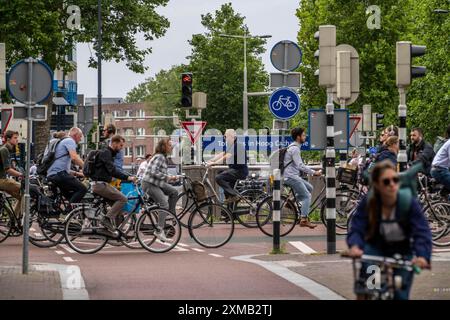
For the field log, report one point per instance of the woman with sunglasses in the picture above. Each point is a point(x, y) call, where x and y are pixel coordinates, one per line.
point(380, 227)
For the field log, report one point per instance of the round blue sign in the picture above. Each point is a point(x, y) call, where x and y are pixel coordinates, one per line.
point(284, 103)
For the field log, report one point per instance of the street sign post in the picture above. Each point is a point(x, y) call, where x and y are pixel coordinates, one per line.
point(284, 103)
point(30, 82)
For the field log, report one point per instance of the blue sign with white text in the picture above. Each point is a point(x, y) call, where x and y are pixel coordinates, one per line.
point(284, 103)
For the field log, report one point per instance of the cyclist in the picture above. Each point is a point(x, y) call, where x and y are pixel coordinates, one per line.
point(236, 158)
point(390, 150)
point(10, 186)
point(143, 166)
point(155, 183)
point(441, 164)
point(60, 173)
point(109, 131)
point(293, 165)
point(102, 176)
point(420, 150)
point(380, 226)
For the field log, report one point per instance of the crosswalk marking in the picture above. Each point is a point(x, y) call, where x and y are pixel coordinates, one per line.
point(67, 248)
point(198, 250)
point(69, 259)
point(59, 252)
point(216, 255)
point(302, 247)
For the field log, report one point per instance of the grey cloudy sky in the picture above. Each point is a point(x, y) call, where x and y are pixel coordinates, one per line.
point(274, 17)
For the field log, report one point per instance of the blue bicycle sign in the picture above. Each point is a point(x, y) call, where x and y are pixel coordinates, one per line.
point(284, 103)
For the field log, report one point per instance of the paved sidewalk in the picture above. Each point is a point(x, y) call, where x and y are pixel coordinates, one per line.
point(324, 275)
point(43, 282)
point(36, 285)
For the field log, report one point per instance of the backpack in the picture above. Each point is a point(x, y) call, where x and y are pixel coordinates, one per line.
point(276, 159)
point(46, 159)
point(438, 144)
point(90, 163)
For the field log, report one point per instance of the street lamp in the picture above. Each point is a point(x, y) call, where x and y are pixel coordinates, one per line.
point(245, 93)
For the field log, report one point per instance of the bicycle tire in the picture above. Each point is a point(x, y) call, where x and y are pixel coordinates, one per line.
point(5, 223)
point(352, 199)
point(73, 227)
point(132, 243)
point(147, 224)
point(211, 221)
point(443, 212)
point(288, 216)
point(247, 219)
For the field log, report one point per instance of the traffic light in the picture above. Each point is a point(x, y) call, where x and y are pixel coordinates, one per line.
point(377, 121)
point(326, 55)
point(405, 51)
point(186, 90)
point(101, 137)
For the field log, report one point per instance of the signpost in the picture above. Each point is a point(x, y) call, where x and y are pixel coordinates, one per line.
point(30, 82)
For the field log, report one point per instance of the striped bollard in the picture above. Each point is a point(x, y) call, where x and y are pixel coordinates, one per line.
point(276, 195)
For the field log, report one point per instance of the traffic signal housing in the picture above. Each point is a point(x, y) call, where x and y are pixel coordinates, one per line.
point(405, 71)
point(186, 90)
point(326, 55)
point(377, 121)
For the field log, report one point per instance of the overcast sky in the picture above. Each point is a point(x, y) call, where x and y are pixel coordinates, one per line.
point(274, 17)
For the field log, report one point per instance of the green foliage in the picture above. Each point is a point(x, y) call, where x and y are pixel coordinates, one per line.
point(92, 145)
point(217, 65)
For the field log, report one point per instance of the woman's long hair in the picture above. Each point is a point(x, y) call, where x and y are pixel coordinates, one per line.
point(161, 147)
point(374, 201)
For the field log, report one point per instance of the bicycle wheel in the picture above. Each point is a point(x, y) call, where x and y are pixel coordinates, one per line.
point(147, 225)
point(130, 239)
point(184, 202)
point(288, 216)
point(438, 226)
point(346, 204)
point(245, 210)
point(211, 225)
point(42, 231)
point(83, 231)
point(5, 223)
point(442, 212)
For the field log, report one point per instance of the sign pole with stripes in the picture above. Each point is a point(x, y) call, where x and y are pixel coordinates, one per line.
point(330, 156)
point(276, 194)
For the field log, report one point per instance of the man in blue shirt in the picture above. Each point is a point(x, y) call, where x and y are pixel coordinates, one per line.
point(440, 167)
point(59, 172)
point(293, 165)
point(236, 158)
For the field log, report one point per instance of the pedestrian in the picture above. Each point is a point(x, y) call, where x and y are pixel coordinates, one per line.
point(143, 166)
point(441, 164)
point(382, 227)
point(420, 151)
point(390, 151)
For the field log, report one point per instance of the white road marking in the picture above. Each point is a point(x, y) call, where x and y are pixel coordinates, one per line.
point(441, 250)
point(182, 244)
point(69, 259)
point(59, 252)
point(216, 255)
point(302, 247)
point(319, 291)
point(198, 250)
point(67, 248)
point(32, 229)
point(37, 234)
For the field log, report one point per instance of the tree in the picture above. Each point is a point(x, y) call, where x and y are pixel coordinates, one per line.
point(429, 97)
point(376, 48)
point(38, 28)
point(162, 96)
point(217, 67)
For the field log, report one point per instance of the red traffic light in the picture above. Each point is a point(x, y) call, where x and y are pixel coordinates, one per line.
point(186, 79)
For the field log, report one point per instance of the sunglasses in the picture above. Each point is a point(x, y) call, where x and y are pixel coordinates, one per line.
point(387, 181)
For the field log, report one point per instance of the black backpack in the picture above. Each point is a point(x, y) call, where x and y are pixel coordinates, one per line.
point(46, 159)
point(90, 163)
point(276, 159)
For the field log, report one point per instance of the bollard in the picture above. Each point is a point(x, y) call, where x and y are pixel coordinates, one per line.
point(276, 205)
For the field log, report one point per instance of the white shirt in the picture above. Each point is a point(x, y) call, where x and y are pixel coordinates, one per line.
point(142, 168)
point(442, 158)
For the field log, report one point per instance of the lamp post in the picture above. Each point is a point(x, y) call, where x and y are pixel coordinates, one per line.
point(245, 93)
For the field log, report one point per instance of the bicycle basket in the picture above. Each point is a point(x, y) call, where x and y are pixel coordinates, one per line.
point(199, 191)
point(347, 175)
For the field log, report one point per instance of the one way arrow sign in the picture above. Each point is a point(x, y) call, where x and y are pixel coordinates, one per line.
point(193, 129)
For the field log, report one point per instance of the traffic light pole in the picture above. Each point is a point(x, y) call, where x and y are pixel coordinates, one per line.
point(342, 153)
point(330, 157)
point(402, 157)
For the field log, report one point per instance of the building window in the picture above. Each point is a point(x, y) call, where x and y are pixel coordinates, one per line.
point(140, 151)
point(129, 132)
point(127, 151)
point(116, 114)
point(141, 113)
point(140, 132)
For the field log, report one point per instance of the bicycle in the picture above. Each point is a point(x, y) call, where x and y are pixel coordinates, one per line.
point(10, 225)
point(346, 200)
point(210, 224)
point(86, 235)
point(243, 210)
point(386, 281)
point(284, 102)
